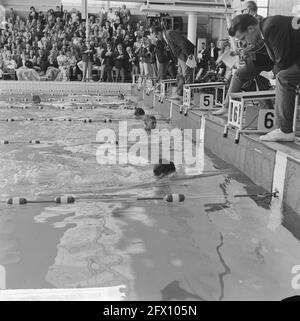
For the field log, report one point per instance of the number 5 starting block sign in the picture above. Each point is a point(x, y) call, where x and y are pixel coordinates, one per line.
point(191, 92)
point(206, 101)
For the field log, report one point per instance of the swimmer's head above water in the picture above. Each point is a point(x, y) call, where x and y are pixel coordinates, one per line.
point(150, 123)
point(164, 168)
point(139, 112)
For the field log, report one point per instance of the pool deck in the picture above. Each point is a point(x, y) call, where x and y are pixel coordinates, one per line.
point(273, 166)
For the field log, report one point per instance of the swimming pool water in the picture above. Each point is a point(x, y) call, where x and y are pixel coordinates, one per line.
point(215, 247)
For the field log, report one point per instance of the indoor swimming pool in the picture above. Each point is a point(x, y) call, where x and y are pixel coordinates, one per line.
point(212, 246)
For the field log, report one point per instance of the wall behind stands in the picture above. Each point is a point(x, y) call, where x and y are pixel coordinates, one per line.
point(276, 7)
point(21, 6)
point(282, 7)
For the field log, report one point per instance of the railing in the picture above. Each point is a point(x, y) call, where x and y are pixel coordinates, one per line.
point(165, 88)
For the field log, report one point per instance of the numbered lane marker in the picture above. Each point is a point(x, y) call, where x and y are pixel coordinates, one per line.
point(266, 120)
point(187, 97)
point(206, 101)
point(236, 109)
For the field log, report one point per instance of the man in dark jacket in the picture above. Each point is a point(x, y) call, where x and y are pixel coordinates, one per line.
point(161, 55)
point(120, 61)
point(282, 39)
point(108, 62)
point(182, 49)
point(213, 52)
point(256, 59)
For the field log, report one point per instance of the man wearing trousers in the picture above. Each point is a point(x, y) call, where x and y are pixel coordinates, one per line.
point(256, 59)
point(282, 39)
point(182, 49)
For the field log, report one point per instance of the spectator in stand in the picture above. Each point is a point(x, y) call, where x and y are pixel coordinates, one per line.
point(151, 49)
point(88, 52)
point(98, 63)
point(32, 57)
point(102, 16)
point(120, 63)
point(12, 15)
point(140, 51)
point(116, 19)
point(32, 14)
point(74, 16)
point(125, 15)
point(251, 8)
point(119, 36)
point(42, 61)
point(127, 42)
point(108, 63)
point(213, 54)
point(202, 59)
point(63, 65)
point(1, 67)
point(110, 15)
point(109, 29)
point(58, 13)
point(130, 33)
point(133, 61)
point(9, 63)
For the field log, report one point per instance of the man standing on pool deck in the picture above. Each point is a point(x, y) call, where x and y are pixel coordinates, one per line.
point(183, 50)
point(281, 35)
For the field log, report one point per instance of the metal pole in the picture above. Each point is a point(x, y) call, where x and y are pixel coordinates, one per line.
point(228, 21)
point(85, 15)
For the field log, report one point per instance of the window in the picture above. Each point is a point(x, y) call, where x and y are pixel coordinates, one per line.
point(263, 7)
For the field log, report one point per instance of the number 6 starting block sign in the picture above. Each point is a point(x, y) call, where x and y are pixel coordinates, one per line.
point(266, 120)
point(206, 101)
point(250, 118)
point(235, 113)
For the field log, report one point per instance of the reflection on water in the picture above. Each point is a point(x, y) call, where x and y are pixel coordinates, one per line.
point(211, 247)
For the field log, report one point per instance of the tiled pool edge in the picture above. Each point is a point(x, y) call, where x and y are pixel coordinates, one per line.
point(255, 159)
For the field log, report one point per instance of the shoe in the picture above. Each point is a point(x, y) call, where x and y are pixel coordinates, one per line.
point(277, 135)
point(220, 111)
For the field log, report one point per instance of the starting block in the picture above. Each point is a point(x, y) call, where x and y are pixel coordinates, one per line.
point(143, 81)
point(165, 88)
point(205, 101)
point(296, 122)
point(135, 79)
point(250, 118)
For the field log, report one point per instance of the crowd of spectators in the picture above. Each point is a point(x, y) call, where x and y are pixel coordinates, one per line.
point(54, 46)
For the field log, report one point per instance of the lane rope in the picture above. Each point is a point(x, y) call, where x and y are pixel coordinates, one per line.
point(169, 198)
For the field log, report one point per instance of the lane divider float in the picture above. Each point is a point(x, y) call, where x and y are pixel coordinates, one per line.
point(169, 198)
point(57, 200)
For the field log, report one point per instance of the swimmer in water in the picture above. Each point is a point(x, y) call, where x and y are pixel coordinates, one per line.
point(139, 112)
point(150, 123)
point(164, 168)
